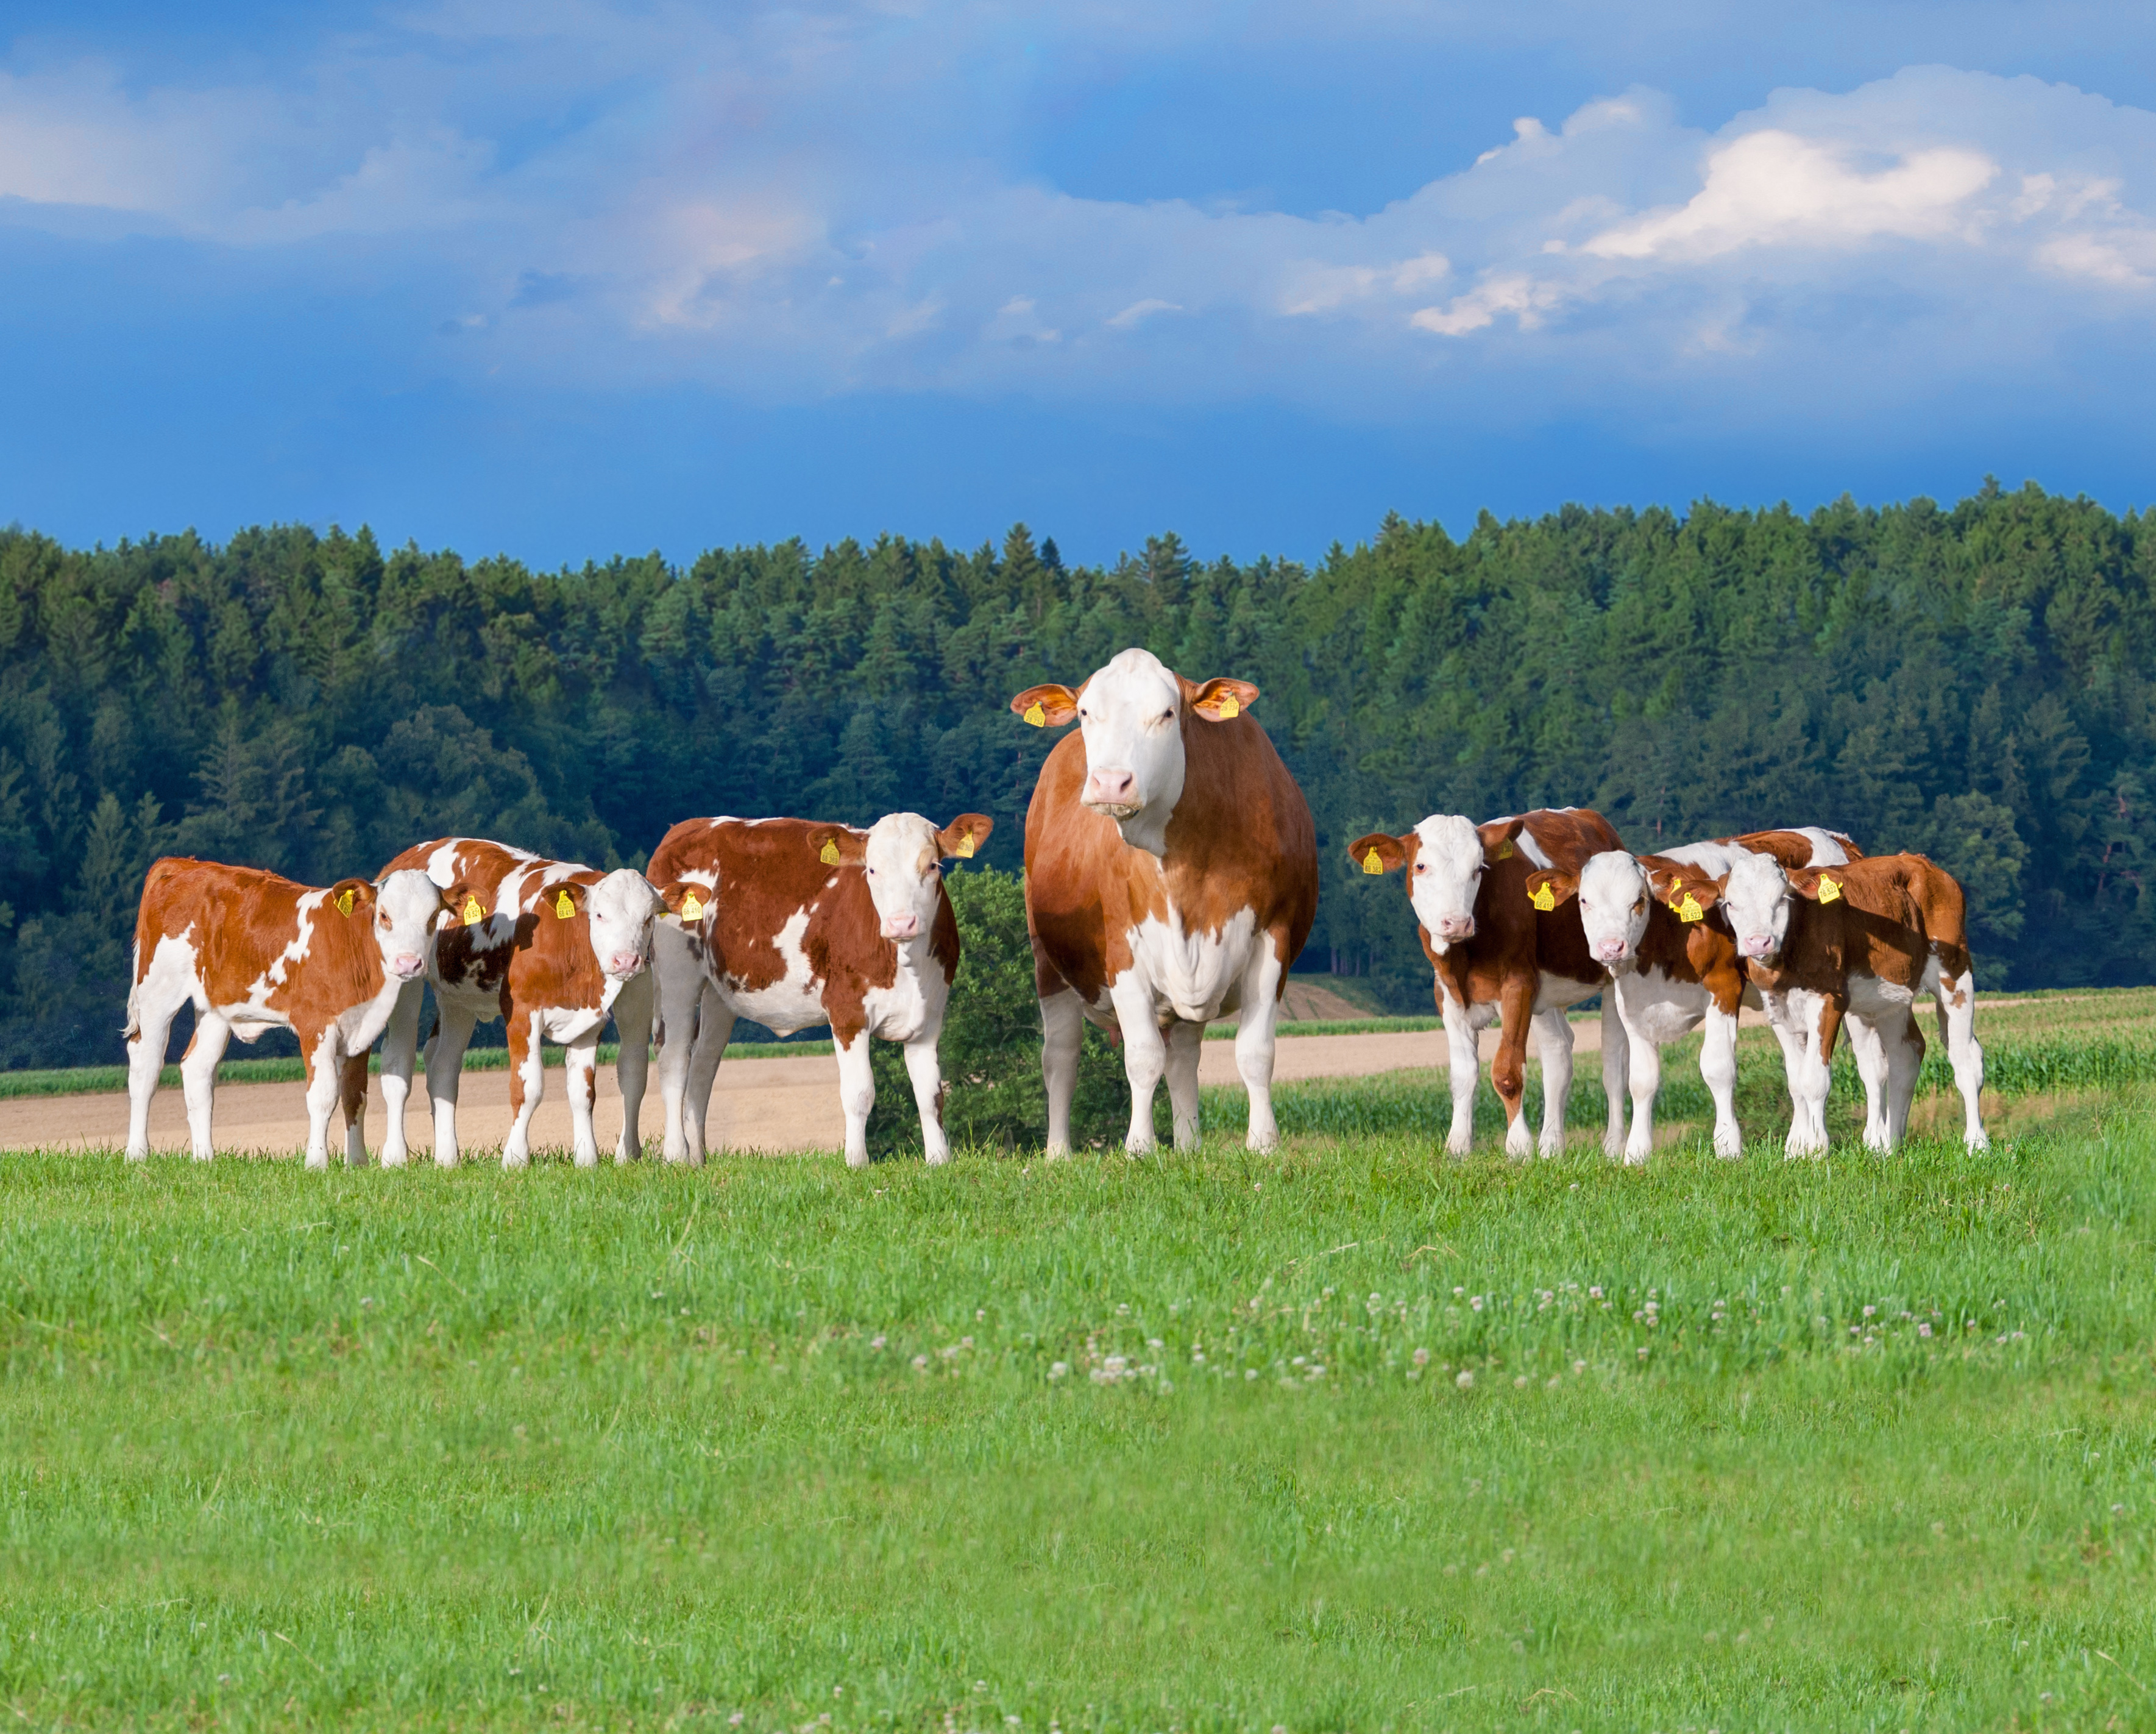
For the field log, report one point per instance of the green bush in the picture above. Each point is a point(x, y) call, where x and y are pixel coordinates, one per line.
point(991, 1045)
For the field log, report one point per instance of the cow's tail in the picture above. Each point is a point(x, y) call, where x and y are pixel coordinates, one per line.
point(160, 871)
point(135, 998)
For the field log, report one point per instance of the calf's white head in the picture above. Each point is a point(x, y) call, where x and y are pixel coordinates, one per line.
point(1444, 857)
point(403, 909)
point(1132, 714)
point(903, 855)
point(1756, 892)
point(620, 910)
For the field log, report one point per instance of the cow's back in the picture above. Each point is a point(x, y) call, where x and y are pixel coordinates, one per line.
point(246, 924)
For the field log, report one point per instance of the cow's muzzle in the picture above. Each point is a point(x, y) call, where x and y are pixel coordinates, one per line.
point(1113, 792)
point(906, 926)
point(1758, 945)
point(1612, 950)
point(1455, 927)
point(624, 963)
point(406, 966)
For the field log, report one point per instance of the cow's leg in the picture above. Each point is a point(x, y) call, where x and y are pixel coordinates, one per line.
point(1616, 1067)
point(856, 1096)
point(1145, 1056)
point(632, 1027)
point(1460, 1057)
point(1508, 1071)
point(1644, 1078)
point(679, 985)
point(527, 1085)
point(1256, 1032)
point(1957, 1030)
point(351, 1094)
point(324, 1055)
point(1718, 1070)
point(445, 1071)
point(580, 1070)
point(1183, 1042)
point(927, 1071)
point(715, 1029)
point(198, 1076)
point(1807, 1130)
point(153, 1006)
point(1554, 1029)
point(1868, 1045)
point(400, 1044)
point(1903, 1045)
point(1062, 1032)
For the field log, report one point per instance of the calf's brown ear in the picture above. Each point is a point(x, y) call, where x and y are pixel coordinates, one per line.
point(1049, 706)
point(1379, 853)
point(1220, 700)
point(462, 906)
point(1547, 888)
point(1821, 885)
point(964, 835)
point(1497, 838)
point(838, 845)
point(562, 902)
point(685, 898)
point(348, 895)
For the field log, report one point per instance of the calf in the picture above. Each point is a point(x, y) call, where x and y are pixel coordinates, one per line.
point(794, 923)
point(1652, 921)
point(253, 951)
point(1499, 957)
point(549, 947)
point(1859, 943)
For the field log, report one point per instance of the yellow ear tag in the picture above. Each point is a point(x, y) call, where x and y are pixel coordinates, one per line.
point(344, 902)
point(965, 849)
point(692, 908)
point(829, 857)
point(473, 913)
point(563, 906)
point(1371, 863)
point(1689, 909)
point(1543, 899)
point(1229, 707)
point(1829, 890)
point(1036, 715)
point(1505, 850)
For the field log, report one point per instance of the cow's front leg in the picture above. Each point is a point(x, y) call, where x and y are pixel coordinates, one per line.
point(1257, 1041)
point(1616, 1071)
point(400, 1047)
point(527, 1086)
point(580, 1068)
point(1145, 1056)
point(632, 1028)
point(1508, 1071)
point(1718, 1070)
point(927, 1071)
point(1819, 1025)
point(1957, 1030)
point(445, 1071)
point(1643, 1079)
point(325, 1085)
point(1183, 1042)
point(1062, 1033)
point(351, 1093)
point(1465, 1065)
point(1554, 1029)
point(856, 1095)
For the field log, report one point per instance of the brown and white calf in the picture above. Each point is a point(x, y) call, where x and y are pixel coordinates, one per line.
point(1652, 921)
point(1859, 944)
point(549, 947)
point(253, 951)
point(1498, 957)
point(795, 922)
point(1170, 878)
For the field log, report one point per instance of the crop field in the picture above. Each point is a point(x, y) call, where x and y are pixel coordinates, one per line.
point(1351, 1436)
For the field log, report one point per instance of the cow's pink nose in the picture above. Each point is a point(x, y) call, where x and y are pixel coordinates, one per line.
point(1611, 950)
point(1757, 945)
point(407, 964)
point(628, 963)
point(901, 927)
point(1455, 927)
point(1111, 788)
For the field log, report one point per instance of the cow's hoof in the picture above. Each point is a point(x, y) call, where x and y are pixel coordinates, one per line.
point(938, 1158)
point(138, 1154)
point(1978, 1140)
point(857, 1159)
point(516, 1159)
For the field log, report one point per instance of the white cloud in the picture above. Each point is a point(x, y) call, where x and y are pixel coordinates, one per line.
point(1521, 296)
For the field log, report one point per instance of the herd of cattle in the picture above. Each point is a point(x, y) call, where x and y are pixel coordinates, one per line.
point(1170, 878)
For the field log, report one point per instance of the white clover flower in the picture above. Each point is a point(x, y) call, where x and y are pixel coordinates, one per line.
point(1466, 1381)
point(1059, 1369)
point(1421, 1357)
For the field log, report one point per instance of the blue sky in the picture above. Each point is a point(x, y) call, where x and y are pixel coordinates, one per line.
point(564, 278)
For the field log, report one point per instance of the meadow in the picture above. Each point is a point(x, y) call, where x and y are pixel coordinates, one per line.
point(1351, 1436)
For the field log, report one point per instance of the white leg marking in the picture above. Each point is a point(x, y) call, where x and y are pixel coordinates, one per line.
point(856, 1097)
point(927, 1072)
point(632, 1023)
point(1718, 1070)
point(1553, 1039)
point(400, 1044)
point(1957, 1029)
point(516, 1148)
point(198, 1076)
point(445, 1070)
point(1616, 1069)
point(582, 1062)
point(1062, 1033)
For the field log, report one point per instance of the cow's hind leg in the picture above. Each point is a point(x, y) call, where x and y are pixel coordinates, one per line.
point(527, 1085)
point(152, 1007)
point(1903, 1045)
point(351, 1094)
point(632, 1027)
point(1062, 1033)
point(581, 1068)
point(1957, 1030)
point(1183, 1041)
point(856, 1096)
point(325, 1052)
point(198, 1076)
point(715, 1029)
point(1255, 1041)
point(1508, 1071)
point(1554, 1029)
point(1717, 1071)
point(1869, 1046)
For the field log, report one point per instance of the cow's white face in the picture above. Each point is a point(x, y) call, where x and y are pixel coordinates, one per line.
point(1757, 895)
point(619, 909)
point(1446, 877)
point(905, 866)
point(406, 905)
point(1614, 895)
point(1130, 714)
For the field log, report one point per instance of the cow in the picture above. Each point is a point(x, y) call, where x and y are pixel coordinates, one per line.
point(1499, 957)
point(1170, 878)
point(795, 922)
point(255, 951)
point(1859, 943)
point(547, 946)
point(1650, 920)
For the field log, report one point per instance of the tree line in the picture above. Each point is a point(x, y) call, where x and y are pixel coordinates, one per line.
point(1973, 682)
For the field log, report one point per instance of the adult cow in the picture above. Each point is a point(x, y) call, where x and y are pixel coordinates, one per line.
point(1170, 878)
point(1499, 957)
point(549, 947)
point(255, 951)
point(795, 923)
point(1859, 944)
point(1652, 921)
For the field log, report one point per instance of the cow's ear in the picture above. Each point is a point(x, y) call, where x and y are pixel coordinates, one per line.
point(1049, 706)
point(462, 905)
point(964, 835)
point(1819, 885)
point(1548, 888)
point(1688, 896)
point(838, 845)
point(349, 896)
point(562, 902)
point(1220, 700)
point(1497, 837)
point(686, 898)
point(1378, 853)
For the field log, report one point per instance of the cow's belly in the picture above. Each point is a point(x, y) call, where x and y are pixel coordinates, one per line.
point(1869, 996)
point(1195, 977)
point(782, 1008)
point(469, 996)
point(570, 1024)
point(1659, 1008)
point(1552, 993)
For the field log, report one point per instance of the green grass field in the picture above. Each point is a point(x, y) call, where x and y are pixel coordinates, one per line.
point(1349, 1437)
